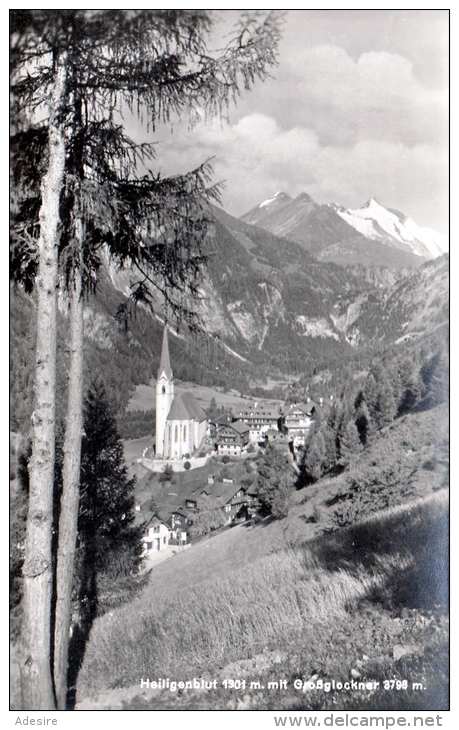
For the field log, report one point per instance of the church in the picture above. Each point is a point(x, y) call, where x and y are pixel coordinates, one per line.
point(181, 424)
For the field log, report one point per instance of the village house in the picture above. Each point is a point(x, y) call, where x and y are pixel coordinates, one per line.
point(235, 501)
point(156, 536)
point(260, 418)
point(180, 523)
point(216, 423)
point(272, 434)
point(241, 504)
point(298, 420)
point(232, 438)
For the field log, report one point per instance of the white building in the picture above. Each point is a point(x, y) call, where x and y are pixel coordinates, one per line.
point(260, 418)
point(156, 537)
point(181, 424)
point(298, 420)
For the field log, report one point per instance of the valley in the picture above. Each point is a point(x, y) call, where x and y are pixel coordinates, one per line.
point(268, 600)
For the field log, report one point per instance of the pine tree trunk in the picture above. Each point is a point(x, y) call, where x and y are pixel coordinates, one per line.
point(37, 687)
point(68, 520)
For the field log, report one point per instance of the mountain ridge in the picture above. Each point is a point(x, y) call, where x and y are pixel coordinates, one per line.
point(372, 235)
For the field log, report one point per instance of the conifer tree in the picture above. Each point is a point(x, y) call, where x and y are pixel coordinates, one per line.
point(411, 386)
point(86, 68)
point(350, 444)
point(272, 471)
point(379, 396)
point(108, 540)
point(385, 407)
point(330, 454)
point(435, 376)
point(370, 391)
point(314, 457)
point(280, 500)
point(363, 422)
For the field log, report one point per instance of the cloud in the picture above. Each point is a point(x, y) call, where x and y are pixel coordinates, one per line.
point(342, 126)
point(376, 96)
point(256, 157)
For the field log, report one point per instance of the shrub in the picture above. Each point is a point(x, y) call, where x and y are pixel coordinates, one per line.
point(250, 449)
point(225, 459)
point(167, 474)
point(206, 522)
point(224, 473)
point(187, 465)
point(187, 456)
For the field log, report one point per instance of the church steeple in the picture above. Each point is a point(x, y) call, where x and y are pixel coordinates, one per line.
point(165, 363)
point(164, 394)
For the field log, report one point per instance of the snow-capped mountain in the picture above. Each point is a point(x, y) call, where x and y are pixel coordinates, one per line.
point(375, 221)
point(278, 197)
point(370, 236)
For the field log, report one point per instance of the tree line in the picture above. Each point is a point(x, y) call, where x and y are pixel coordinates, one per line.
point(398, 381)
point(402, 382)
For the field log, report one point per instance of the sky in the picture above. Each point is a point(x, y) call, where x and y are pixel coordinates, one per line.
point(357, 108)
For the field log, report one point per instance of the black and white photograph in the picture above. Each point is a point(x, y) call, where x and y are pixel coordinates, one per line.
point(229, 363)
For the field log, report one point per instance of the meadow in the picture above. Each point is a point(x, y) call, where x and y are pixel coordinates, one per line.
point(311, 595)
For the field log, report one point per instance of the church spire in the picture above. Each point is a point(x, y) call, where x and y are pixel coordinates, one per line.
point(164, 363)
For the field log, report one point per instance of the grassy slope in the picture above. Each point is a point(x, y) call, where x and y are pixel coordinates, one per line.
point(326, 606)
point(144, 396)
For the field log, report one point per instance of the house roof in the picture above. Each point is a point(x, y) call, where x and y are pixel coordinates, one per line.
point(185, 408)
point(165, 363)
point(260, 411)
point(300, 407)
point(222, 420)
point(220, 495)
point(148, 519)
point(174, 496)
point(238, 426)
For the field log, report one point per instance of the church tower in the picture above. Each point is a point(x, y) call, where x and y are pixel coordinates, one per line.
point(164, 394)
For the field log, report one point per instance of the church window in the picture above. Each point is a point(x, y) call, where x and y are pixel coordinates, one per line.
point(176, 433)
point(163, 389)
point(184, 433)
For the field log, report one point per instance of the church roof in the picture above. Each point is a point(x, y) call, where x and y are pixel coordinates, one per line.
point(165, 363)
point(185, 408)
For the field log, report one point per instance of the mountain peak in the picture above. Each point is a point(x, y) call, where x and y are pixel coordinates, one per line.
point(280, 196)
point(392, 227)
point(303, 197)
point(372, 203)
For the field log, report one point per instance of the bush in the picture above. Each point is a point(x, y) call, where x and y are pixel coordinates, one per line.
point(206, 522)
point(225, 459)
point(225, 473)
point(187, 456)
point(167, 474)
point(187, 465)
point(250, 449)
